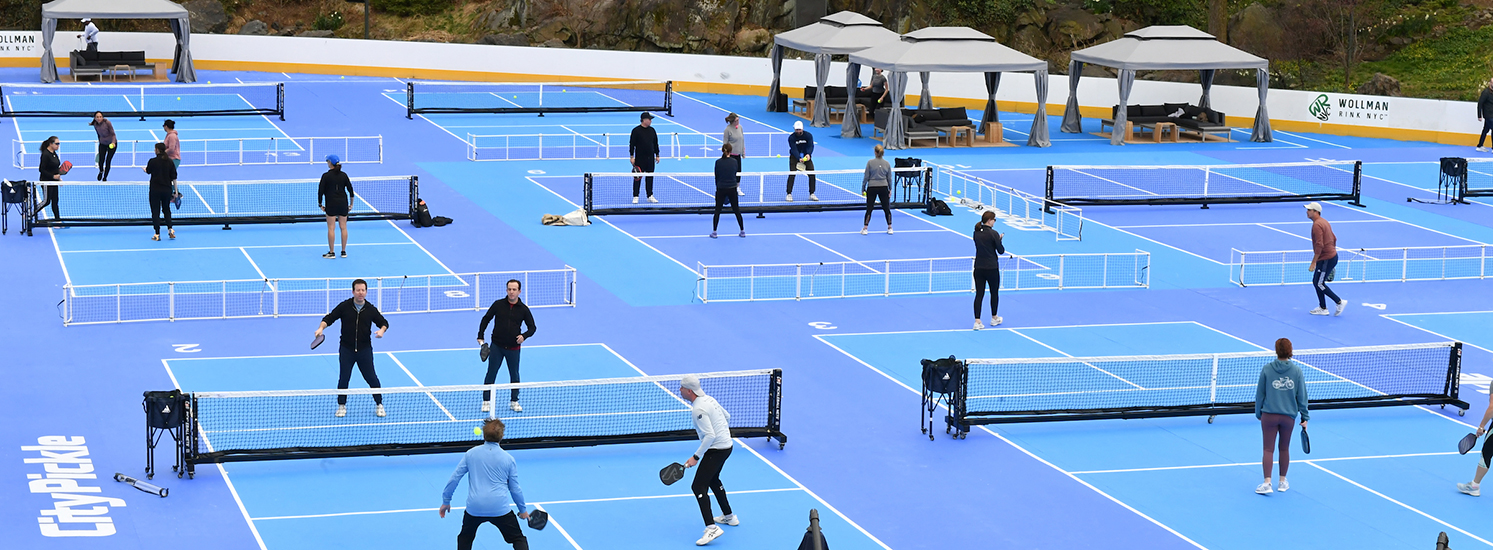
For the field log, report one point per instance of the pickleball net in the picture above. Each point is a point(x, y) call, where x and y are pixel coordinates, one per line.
point(1042, 389)
point(150, 100)
point(1205, 184)
point(268, 425)
point(225, 202)
point(694, 192)
point(539, 97)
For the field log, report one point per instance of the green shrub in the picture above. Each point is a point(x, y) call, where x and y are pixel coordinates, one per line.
point(408, 8)
point(328, 21)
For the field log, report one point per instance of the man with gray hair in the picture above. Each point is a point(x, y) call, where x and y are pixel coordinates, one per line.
point(712, 423)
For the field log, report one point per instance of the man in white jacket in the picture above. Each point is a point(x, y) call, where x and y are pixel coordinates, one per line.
point(712, 423)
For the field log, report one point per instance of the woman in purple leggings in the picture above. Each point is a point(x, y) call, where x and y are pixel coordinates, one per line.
point(1280, 396)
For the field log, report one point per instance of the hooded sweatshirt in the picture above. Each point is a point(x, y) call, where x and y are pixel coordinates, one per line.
point(1282, 390)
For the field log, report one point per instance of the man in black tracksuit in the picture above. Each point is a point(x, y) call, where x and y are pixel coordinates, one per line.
point(358, 317)
point(801, 149)
point(1485, 114)
point(642, 148)
point(507, 315)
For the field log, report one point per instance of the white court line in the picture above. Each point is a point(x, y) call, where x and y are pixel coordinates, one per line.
point(941, 230)
point(417, 383)
point(1013, 445)
point(1236, 224)
point(1391, 316)
point(335, 354)
point(221, 247)
point(1401, 504)
point(768, 126)
point(536, 504)
point(837, 253)
point(65, 276)
point(614, 226)
point(592, 140)
point(251, 262)
point(422, 247)
point(563, 532)
point(1257, 463)
point(1279, 230)
point(1022, 328)
point(1066, 354)
point(1299, 136)
point(1417, 188)
point(422, 117)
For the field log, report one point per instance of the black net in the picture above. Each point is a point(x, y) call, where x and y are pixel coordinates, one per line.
point(1205, 184)
point(227, 202)
point(539, 97)
point(159, 100)
point(695, 193)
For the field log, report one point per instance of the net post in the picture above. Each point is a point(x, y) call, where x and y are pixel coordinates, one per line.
point(669, 98)
point(67, 304)
point(775, 406)
point(280, 100)
point(414, 198)
point(586, 193)
point(1047, 204)
point(409, 100)
point(1357, 184)
point(1062, 260)
point(1213, 385)
point(798, 281)
point(171, 301)
point(1454, 371)
point(118, 305)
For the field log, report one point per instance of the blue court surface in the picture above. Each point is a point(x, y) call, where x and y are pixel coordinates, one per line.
point(1377, 477)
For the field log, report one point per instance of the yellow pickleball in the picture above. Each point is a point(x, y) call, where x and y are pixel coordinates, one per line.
point(178, 99)
point(477, 430)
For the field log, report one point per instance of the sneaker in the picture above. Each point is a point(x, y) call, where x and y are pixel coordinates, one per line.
point(742, 234)
point(1318, 311)
point(979, 325)
point(1480, 149)
point(996, 321)
point(155, 237)
point(487, 406)
point(1284, 485)
point(1264, 489)
point(341, 411)
point(1470, 489)
point(344, 253)
point(711, 533)
point(813, 197)
point(740, 193)
point(329, 254)
point(790, 197)
point(379, 411)
point(863, 231)
point(712, 234)
point(889, 231)
point(634, 200)
point(729, 519)
point(171, 232)
point(515, 406)
point(1340, 307)
point(651, 199)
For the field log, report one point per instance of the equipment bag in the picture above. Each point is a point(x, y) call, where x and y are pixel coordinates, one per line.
point(941, 375)
point(165, 410)
point(938, 208)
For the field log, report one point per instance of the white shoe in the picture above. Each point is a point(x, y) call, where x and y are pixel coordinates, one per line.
point(889, 231)
point(1264, 489)
point(790, 197)
point(515, 406)
point(996, 321)
point(486, 406)
point(1340, 307)
point(634, 200)
point(1480, 149)
point(1284, 485)
point(651, 199)
point(728, 520)
point(740, 193)
point(341, 411)
point(863, 231)
point(1318, 311)
point(813, 197)
point(1468, 488)
point(711, 533)
point(379, 411)
point(979, 325)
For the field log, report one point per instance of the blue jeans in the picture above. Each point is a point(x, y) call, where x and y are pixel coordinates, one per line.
point(1319, 282)
point(495, 362)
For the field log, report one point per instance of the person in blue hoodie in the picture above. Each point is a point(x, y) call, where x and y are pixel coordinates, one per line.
point(1280, 396)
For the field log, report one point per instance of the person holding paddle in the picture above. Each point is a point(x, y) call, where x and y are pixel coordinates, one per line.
point(1474, 488)
point(712, 423)
point(508, 317)
point(491, 490)
point(1279, 397)
point(358, 317)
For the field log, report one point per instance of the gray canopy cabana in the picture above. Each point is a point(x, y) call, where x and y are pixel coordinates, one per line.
point(1165, 48)
point(953, 49)
point(841, 33)
point(174, 13)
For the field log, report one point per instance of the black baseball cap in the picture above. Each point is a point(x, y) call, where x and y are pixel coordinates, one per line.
point(645, 114)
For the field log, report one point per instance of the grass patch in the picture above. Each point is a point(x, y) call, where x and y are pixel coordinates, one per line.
point(1453, 66)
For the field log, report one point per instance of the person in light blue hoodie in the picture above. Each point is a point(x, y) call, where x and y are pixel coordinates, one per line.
point(492, 490)
point(1280, 396)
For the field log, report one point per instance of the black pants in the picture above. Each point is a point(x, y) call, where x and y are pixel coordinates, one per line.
point(51, 200)
point(991, 277)
point(105, 160)
point(93, 49)
point(507, 524)
point(1319, 282)
point(364, 359)
point(793, 167)
point(883, 193)
point(160, 203)
point(724, 195)
point(738, 168)
point(1487, 127)
point(643, 166)
point(708, 476)
point(494, 363)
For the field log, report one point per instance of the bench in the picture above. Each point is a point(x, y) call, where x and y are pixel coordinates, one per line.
point(86, 63)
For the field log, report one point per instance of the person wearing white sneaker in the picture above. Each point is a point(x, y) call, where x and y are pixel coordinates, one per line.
point(1279, 397)
point(508, 316)
point(800, 158)
point(989, 245)
point(1485, 114)
point(1485, 457)
point(713, 425)
point(358, 317)
point(492, 489)
point(1324, 260)
point(734, 137)
point(727, 177)
point(877, 185)
point(643, 153)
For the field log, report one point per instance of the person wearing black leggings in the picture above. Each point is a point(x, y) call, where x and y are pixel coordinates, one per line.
point(878, 185)
point(988, 248)
point(108, 143)
point(50, 170)
point(1485, 115)
point(162, 175)
point(727, 169)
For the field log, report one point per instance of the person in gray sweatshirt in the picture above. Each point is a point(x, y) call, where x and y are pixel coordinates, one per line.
point(737, 140)
point(1280, 396)
point(877, 185)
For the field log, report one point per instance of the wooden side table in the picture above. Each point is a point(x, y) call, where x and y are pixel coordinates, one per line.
point(994, 133)
point(1161, 129)
point(967, 131)
point(122, 69)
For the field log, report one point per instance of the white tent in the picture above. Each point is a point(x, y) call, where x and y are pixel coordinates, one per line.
point(174, 13)
point(841, 33)
point(953, 49)
point(1164, 48)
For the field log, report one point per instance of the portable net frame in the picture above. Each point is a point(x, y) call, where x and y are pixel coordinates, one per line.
point(694, 192)
point(225, 202)
point(1205, 184)
point(539, 97)
point(149, 100)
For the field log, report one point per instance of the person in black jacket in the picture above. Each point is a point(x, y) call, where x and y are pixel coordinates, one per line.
point(726, 183)
point(801, 157)
point(1485, 114)
point(507, 316)
point(337, 190)
point(358, 317)
point(162, 175)
point(988, 248)
point(51, 170)
point(643, 150)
